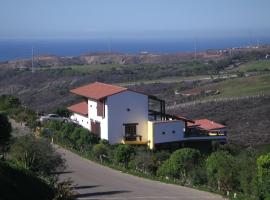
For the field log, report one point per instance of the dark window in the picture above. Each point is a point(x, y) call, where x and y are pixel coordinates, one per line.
point(173, 132)
point(163, 133)
point(130, 131)
point(100, 109)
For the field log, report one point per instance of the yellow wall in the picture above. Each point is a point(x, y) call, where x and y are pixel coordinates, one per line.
point(151, 144)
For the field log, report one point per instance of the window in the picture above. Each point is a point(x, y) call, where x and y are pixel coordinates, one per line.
point(173, 131)
point(101, 108)
point(130, 131)
point(163, 133)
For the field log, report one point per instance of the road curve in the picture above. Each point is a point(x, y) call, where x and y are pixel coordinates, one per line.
point(94, 181)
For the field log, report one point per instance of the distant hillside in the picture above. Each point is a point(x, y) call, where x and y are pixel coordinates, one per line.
point(143, 58)
point(248, 120)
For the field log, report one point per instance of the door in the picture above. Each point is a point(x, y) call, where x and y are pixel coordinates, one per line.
point(95, 128)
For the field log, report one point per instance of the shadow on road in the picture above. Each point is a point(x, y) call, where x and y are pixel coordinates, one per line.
point(84, 186)
point(99, 193)
point(63, 172)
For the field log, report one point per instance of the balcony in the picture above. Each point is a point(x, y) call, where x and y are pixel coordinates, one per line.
point(133, 139)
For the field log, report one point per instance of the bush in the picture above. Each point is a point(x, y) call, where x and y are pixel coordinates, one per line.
point(16, 183)
point(263, 175)
point(247, 173)
point(143, 161)
point(100, 152)
point(37, 155)
point(71, 135)
point(63, 112)
point(122, 154)
point(9, 102)
point(180, 164)
point(5, 129)
point(221, 171)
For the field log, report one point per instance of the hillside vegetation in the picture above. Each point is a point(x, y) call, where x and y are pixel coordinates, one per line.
point(238, 87)
point(19, 184)
point(261, 65)
point(185, 81)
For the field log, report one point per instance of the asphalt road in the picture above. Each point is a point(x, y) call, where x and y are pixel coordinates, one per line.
point(93, 181)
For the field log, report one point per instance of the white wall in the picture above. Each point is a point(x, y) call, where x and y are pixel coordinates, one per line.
point(168, 127)
point(118, 114)
point(92, 115)
point(82, 120)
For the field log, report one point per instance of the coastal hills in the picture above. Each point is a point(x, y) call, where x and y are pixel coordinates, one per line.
point(122, 58)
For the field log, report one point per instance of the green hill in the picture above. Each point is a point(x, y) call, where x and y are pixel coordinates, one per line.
point(238, 87)
point(260, 65)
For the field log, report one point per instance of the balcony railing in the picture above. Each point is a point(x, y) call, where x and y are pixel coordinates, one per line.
point(133, 139)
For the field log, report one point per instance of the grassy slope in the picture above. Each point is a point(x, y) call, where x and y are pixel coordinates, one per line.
point(246, 86)
point(17, 184)
point(260, 65)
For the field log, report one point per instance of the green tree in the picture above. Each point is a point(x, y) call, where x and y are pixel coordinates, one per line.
point(123, 154)
point(37, 155)
point(221, 171)
point(100, 151)
point(63, 112)
point(263, 175)
point(5, 129)
point(247, 173)
point(180, 164)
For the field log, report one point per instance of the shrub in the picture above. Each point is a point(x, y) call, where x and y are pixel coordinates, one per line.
point(221, 171)
point(63, 112)
point(100, 151)
point(72, 135)
point(143, 161)
point(122, 154)
point(247, 173)
point(263, 175)
point(5, 129)
point(180, 163)
point(37, 155)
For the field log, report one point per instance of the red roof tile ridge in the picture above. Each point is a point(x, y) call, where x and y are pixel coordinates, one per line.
point(81, 108)
point(98, 90)
point(111, 85)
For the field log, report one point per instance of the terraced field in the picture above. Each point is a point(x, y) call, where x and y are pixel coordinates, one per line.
point(261, 65)
point(238, 87)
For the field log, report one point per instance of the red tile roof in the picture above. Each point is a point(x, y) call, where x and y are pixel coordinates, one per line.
point(206, 124)
point(185, 119)
point(80, 108)
point(98, 90)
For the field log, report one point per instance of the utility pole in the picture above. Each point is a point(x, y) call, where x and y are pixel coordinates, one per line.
point(110, 45)
point(195, 49)
point(32, 59)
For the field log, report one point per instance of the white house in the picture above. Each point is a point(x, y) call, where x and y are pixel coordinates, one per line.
point(121, 115)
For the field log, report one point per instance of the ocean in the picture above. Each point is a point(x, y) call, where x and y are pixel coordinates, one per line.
point(11, 49)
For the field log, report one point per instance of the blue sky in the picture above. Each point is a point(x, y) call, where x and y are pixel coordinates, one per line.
point(134, 18)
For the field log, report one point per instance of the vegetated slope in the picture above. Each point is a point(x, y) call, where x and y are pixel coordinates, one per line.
point(247, 120)
point(16, 184)
point(245, 86)
point(259, 65)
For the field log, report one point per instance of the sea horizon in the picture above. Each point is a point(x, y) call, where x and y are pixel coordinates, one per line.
point(12, 49)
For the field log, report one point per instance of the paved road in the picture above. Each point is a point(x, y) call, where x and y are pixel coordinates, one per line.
point(94, 181)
